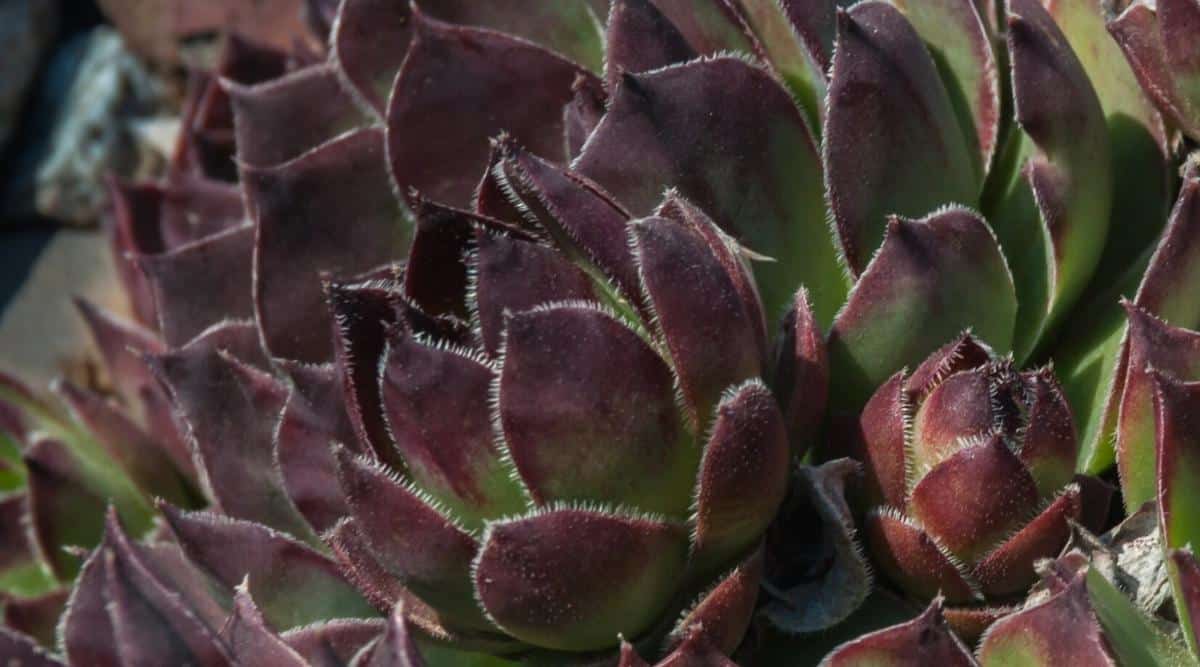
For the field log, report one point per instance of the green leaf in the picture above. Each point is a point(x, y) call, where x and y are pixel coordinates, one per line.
point(1133, 637)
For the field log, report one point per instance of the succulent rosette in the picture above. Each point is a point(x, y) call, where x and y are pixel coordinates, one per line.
point(969, 478)
point(520, 266)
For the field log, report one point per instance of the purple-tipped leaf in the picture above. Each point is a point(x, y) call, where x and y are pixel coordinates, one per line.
point(293, 584)
point(312, 99)
point(576, 430)
point(437, 134)
point(435, 400)
point(573, 579)
point(916, 156)
point(423, 548)
point(925, 640)
point(639, 38)
point(762, 183)
point(251, 641)
point(710, 330)
point(801, 378)
point(331, 211)
point(930, 280)
point(1062, 630)
point(743, 476)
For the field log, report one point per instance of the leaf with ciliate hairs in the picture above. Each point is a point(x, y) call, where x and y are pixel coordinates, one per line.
point(916, 157)
point(1061, 630)
point(930, 280)
point(762, 184)
point(263, 141)
point(231, 409)
point(639, 38)
point(372, 37)
point(572, 578)
point(925, 640)
point(1159, 39)
point(797, 38)
point(1052, 194)
point(1111, 390)
point(439, 145)
point(300, 239)
point(293, 584)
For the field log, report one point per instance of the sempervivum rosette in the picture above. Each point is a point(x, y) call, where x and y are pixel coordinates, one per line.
point(970, 479)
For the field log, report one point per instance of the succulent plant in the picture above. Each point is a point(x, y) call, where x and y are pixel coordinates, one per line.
point(521, 266)
point(969, 477)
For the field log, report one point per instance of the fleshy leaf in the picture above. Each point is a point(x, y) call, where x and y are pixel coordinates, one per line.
point(437, 144)
point(573, 579)
point(435, 400)
point(396, 647)
point(916, 157)
point(1135, 130)
point(372, 37)
point(362, 313)
point(412, 539)
point(1185, 572)
point(262, 140)
point(1052, 214)
point(743, 476)
point(930, 280)
point(1143, 36)
point(711, 332)
point(761, 177)
point(1008, 569)
point(250, 640)
point(710, 26)
point(925, 640)
point(877, 439)
point(909, 556)
point(1096, 383)
point(66, 495)
point(580, 217)
point(36, 616)
point(1062, 630)
point(302, 209)
point(313, 417)
point(577, 431)
point(136, 452)
point(797, 38)
point(639, 38)
point(1152, 344)
point(974, 498)
point(293, 584)
point(723, 614)
point(801, 378)
point(221, 263)
point(23, 651)
point(960, 43)
point(122, 346)
point(515, 275)
point(231, 410)
point(333, 643)
point(1133, 637)
point(1177, 476)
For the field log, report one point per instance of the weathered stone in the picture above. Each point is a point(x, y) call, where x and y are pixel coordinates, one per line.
point(89, 120)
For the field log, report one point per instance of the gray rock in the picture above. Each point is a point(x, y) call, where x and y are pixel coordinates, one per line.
point(27, 28)
point(91, 119)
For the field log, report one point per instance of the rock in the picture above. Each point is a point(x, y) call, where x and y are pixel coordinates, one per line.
point(27, 28)
point(167, 31)
point(90, 119)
